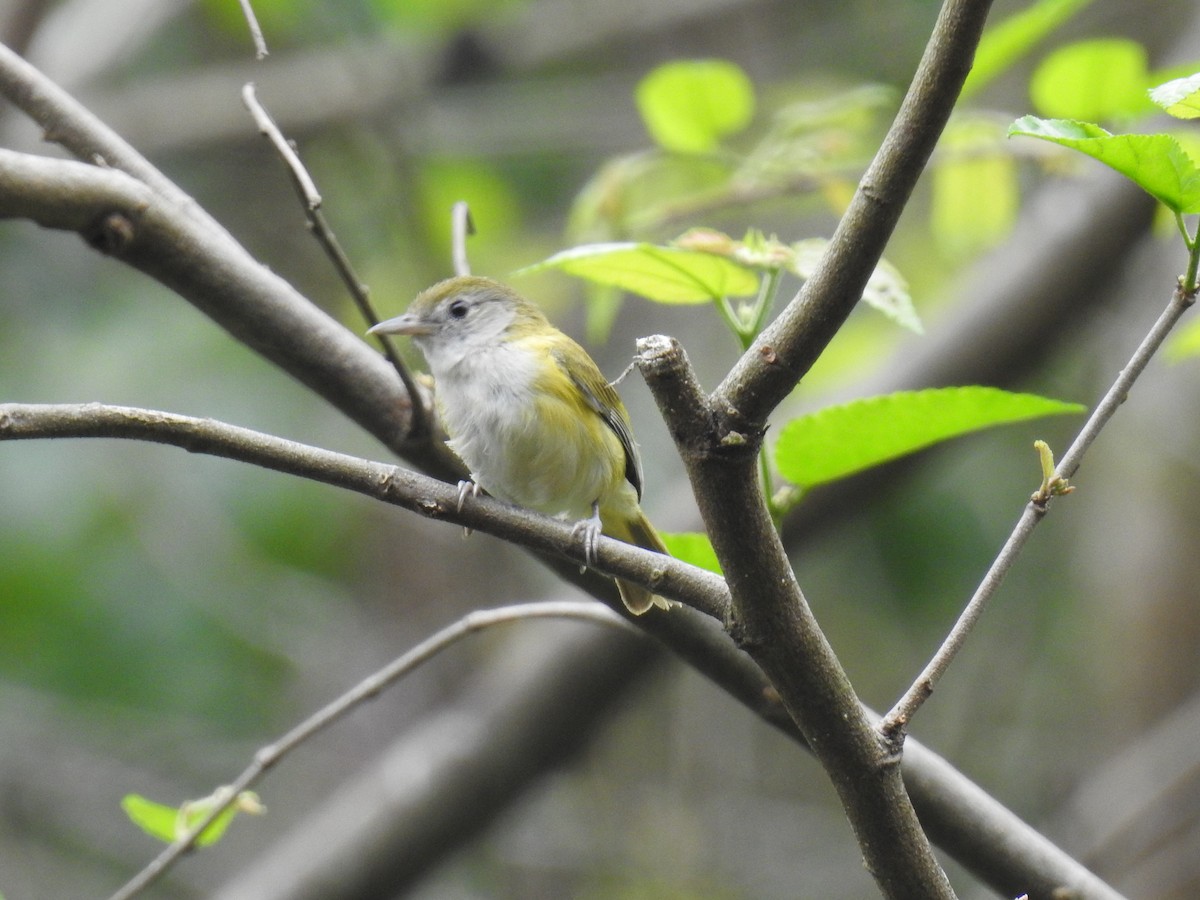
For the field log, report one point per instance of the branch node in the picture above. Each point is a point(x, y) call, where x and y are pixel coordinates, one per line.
point(111, 233)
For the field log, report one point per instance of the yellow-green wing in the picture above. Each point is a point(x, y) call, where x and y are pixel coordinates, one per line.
point(603, 398)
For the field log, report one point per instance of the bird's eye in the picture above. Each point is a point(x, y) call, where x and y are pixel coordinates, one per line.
point(458, 309)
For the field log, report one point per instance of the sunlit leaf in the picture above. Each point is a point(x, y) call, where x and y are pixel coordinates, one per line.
point(167, 823)
point(664, 274)
point(692, 547)
point(975, 193)
point(841, 440)
point(1180, 98)
point(1094, 80)
point(155, 819)
point(1184, 342)
point(640, 186)
point(437, 15)
point(886, 290)
point(689, 106)
point(1156, 162)
point(1008, 40)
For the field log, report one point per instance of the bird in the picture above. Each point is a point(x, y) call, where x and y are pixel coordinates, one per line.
point(530, 414)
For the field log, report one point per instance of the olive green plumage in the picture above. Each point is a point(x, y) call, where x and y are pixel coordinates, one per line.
point(530, 413)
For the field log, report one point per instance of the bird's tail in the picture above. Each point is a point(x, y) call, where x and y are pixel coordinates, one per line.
point(639, 532)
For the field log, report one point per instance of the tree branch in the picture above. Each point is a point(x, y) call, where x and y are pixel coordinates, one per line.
point(719, 440)
point(420, 415)
point(118, 215)
point(401, 487)
point(773, 623)
point(368, 689)
point(786, 350)
point(354, 380)
point(960, 813)
point(896, 722)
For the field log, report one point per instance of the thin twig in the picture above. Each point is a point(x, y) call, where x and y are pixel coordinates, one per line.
point(260, 44)
point(461, 228)
point(310, 198)
point(896, 722)
point(396, 485)
point(367, 689)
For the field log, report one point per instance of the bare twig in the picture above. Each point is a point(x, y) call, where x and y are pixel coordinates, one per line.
point(410, 490)
point(156, 227)
point(369, 688)
point(895, 723)
point(310, 198)
point(461, 228)
point(260, 44)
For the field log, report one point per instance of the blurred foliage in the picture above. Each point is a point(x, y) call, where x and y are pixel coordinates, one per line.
point(198, 606)
point(690, 106)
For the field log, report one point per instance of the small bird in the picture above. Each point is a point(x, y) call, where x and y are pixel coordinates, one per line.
point(530, 413)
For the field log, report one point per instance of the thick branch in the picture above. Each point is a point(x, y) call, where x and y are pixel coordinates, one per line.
point(123, 217)
point(719, 440)
point(773, 623)
point(786, 350)
point(66, 122)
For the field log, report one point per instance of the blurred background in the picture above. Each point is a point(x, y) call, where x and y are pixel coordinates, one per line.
point(163, 615)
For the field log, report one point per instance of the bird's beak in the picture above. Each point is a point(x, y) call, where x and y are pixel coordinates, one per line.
point(405, 324)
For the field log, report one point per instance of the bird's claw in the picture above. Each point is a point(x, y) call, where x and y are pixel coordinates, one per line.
point(588, 531)
point(466, 487)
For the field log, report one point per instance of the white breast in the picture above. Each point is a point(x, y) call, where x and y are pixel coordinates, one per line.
point(490, 411)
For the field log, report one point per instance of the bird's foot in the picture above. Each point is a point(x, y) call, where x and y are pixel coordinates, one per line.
point(588, 531)
point(466, 487)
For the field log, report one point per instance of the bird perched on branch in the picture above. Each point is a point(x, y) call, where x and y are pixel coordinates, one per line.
point(530, 413)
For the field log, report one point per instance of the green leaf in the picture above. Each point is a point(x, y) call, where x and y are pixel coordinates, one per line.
point(637, 186)
point(156, 820)
point(1093, 80)
point(689, 106)
point(1010, 39)
point(886, 290)
point(975, 195)
point(841, 440)
point(1184, 342)
point(1180, 98)
point(692, 547)
point(1155, 162)
point(663, 274)
point(167, 824)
